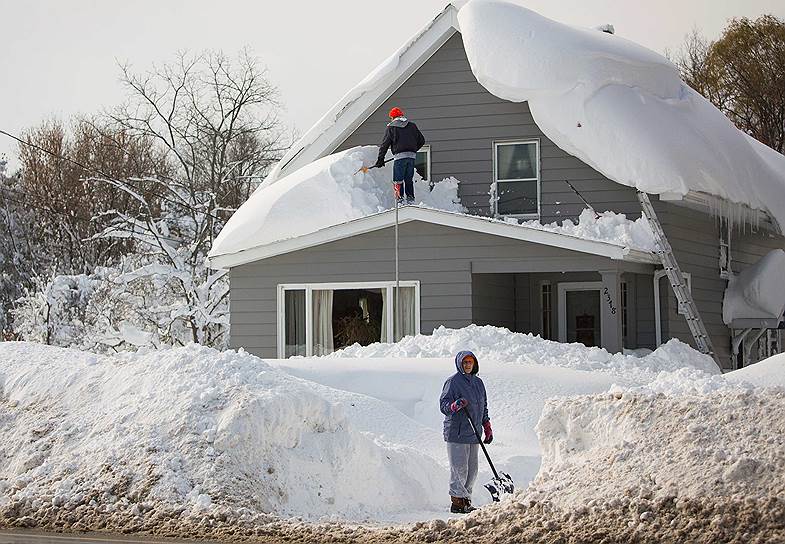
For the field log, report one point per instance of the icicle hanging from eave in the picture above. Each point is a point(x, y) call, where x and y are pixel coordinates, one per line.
point(736, 214)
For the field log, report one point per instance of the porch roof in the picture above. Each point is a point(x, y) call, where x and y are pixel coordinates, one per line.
point(408, 214)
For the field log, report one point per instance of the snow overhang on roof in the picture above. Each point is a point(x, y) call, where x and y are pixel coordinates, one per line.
point(755, 298)
point(408, 214)
point(674, 143)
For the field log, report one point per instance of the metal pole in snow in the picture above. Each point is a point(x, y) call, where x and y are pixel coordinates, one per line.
point(397, 306)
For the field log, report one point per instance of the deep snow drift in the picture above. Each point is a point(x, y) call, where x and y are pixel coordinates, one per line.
point(499, 344)
point(326, 192)
point(618, 106)
point(193, 442)
point(190, 428)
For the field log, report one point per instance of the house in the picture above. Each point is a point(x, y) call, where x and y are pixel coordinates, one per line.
point(319, 290)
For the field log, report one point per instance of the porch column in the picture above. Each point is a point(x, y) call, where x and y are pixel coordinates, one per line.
point(610, 310)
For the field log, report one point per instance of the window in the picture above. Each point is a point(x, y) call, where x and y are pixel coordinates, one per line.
point(423, 162)
point(516, 186)
point(319, 318)
point(547, 310)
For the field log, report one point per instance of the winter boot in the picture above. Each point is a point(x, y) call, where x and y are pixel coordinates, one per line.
point(457, 505)
point(461, 506)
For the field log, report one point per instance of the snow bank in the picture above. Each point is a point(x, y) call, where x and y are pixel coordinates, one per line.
point(618, 106)
point(610, 227)
point(655, 446)
point(190, 430)
point(758, 291)
point(646, 468)
point(766, 373)
point(499, 344)
point(327, 192)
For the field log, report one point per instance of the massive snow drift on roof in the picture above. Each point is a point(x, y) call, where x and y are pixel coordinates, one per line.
point(618, 106)
point(326, 192)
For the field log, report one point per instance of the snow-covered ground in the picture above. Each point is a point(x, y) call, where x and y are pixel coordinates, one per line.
point(185, 439)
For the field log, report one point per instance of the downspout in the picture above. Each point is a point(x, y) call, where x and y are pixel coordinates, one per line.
point(657, 317)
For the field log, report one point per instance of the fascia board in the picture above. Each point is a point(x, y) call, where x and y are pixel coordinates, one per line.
point(449, 219)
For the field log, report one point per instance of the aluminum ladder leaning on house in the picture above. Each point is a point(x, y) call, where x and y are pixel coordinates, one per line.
point(683, 295)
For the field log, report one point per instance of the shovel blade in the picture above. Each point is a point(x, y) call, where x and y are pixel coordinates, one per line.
point(501, 485)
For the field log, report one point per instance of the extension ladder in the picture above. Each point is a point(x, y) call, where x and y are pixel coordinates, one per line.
point(687, 305)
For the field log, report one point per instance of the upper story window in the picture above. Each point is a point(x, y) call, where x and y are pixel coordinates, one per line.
point(516, 173)
point(423, 162)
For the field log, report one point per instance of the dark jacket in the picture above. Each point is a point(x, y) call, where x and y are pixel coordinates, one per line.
point(471, 388)
point(401, 135)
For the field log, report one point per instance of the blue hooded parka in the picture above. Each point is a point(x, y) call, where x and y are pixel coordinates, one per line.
point(471, 388)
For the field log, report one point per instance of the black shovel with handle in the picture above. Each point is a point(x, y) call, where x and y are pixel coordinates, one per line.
point(502, 482)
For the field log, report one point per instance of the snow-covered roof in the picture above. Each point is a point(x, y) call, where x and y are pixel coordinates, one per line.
point(616, 105)
point(619, 107)
point(331, 199)
point(406, 214)
point(756, 296)
point(366, 97)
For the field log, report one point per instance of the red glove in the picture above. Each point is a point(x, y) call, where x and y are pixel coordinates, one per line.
point(488, 432)
point(458, 404)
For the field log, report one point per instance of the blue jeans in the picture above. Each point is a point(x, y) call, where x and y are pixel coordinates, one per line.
point(403, 171)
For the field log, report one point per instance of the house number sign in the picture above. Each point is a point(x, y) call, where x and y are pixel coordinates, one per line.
point(610, 301)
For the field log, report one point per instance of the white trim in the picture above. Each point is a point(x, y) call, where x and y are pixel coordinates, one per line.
point(427, 150)
point(350, 116)
point(494, 184)
point(437, 217)
point(389, 286)
point(658, 275)
point(575, 286)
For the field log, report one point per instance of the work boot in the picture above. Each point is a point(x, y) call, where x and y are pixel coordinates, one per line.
point(457, 505)
point(409, 200)
point(461, 506)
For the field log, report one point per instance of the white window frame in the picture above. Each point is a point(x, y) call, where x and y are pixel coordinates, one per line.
point(575, 286)
point(496, 180)
point(427, 150)
point(310, 287)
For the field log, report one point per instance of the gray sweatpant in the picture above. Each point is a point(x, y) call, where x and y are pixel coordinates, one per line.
point(463, 468)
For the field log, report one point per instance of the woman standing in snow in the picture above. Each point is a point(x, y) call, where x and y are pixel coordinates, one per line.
point(464, 396)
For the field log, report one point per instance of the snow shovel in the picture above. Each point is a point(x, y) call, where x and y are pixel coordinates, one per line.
point(364, 169)
point(500, 483)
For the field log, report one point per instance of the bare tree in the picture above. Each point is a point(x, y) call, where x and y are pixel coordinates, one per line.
point(216, 121)
point(743, 75)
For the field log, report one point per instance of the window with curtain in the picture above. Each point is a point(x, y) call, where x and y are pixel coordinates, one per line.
point(317, 319)
point(294, 322)
point(406, 322)
point(516, 178)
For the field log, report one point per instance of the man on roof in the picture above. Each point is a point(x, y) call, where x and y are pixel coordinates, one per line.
point(405, 139)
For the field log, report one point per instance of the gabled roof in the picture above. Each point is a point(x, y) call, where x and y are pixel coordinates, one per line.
point(358, 104)
point(408, 214)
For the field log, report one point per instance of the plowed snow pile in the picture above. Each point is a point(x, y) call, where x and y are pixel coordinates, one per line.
point(187, 432)
point(649, 467)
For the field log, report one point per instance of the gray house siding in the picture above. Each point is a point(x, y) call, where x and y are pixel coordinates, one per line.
point(695, 240)
point(461, 120)
point(441, 258)
point(493, 300)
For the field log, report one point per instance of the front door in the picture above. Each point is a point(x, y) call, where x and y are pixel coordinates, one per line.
point(579, 313)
